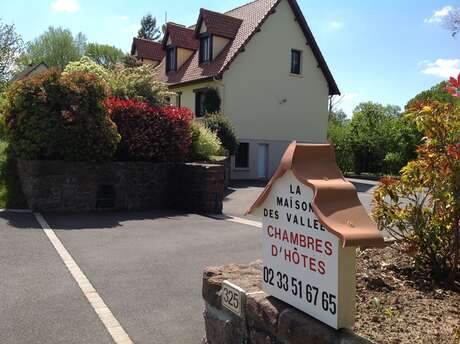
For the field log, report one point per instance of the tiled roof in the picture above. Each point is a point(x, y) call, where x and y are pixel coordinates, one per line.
point(147, 49)
point(219, 24)
point(252, 16)
point(181, 37)
point(27, 71)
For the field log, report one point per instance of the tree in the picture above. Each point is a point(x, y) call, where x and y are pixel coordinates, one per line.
point(11, 46)
point(452, 21)
point(338, 116)
point(435, 93)
point(56, 47)
point(372, 135)
point(149, 29)
point(130, 61)
point(422, 209)
point(104, 54)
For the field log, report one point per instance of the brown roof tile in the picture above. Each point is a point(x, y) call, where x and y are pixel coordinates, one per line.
point(335, 201)
point(147, 49)
point(181, 37)
point(219, 24)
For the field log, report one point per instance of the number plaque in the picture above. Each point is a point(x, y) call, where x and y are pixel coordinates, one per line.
point(232, 297)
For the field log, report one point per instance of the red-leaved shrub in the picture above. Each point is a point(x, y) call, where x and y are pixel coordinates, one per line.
point(149, 133)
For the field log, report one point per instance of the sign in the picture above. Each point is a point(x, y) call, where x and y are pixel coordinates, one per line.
point(303, 263)
point(232, 297)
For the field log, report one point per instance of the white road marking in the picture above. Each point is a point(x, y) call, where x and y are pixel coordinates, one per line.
point(239, 220)
point(15, 211)
point(112, 325)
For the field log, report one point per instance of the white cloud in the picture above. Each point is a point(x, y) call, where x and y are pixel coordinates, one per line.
point(65, 6)
point(443, 68)
point(439, 15)
point(335, 25)
point(123, 17)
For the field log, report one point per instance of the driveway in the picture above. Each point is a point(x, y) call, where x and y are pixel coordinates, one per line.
point(146, 266)
point(145, 269)
point(39, 300)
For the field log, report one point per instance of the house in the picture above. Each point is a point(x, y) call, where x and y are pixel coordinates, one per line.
point(147, 51)
point(32, 69)
point(272, 79)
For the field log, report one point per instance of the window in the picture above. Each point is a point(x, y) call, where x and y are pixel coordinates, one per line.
point(199, 102)
point(171, 63)
point(205, 48)
point(296, 58)
point(242, 156)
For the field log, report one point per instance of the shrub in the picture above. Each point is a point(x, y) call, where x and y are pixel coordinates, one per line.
point(212, 101)
point(150, 133)
point(140, 83)
point(53, 116)
point(422, 208)
point(205, 143)
point(220, 125)
point(86, 64)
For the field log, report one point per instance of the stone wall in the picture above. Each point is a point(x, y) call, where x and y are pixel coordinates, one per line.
point(83, 186)
point(265, 320)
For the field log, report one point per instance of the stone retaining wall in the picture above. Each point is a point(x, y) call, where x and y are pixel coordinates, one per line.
point(83, 186)
point(265, 320)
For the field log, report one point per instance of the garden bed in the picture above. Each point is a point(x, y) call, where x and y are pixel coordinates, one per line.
point(396, 304)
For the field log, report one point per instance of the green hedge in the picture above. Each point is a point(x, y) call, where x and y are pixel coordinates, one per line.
point(220, 125)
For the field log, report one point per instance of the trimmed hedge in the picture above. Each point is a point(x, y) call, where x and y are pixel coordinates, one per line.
point(155, 134)
point(60, 117)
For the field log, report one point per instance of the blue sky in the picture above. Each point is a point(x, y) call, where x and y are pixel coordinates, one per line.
point(384, 51)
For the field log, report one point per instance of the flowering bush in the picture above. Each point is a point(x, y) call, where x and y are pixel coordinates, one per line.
point(54, 116)
point(140, 83)
point(205, 143)
point(422, 208)
point(150, 133)
point(86, 64)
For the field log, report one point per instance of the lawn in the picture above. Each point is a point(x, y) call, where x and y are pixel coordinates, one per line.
point(11, 195)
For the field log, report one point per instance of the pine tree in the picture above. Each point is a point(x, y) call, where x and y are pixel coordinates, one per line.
point(149, 29)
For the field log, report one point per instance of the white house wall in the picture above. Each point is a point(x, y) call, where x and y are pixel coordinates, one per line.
point(269, 105)
point(263, 99)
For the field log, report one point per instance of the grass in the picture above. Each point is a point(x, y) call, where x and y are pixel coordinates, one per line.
point(11, 195)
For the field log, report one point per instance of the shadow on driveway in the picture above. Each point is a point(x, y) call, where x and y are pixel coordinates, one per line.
point(108, 219)
point(19, 220)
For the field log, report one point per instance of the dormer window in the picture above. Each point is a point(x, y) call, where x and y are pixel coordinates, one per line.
point(171, 59)
point(205, 48)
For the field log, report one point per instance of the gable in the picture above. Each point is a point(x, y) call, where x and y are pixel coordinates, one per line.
point(252, 16)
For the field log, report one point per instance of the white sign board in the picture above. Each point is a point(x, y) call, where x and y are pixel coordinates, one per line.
point(304, 264)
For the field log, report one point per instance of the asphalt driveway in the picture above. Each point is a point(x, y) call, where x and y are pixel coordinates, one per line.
point(146, 266)
point(39, 300)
